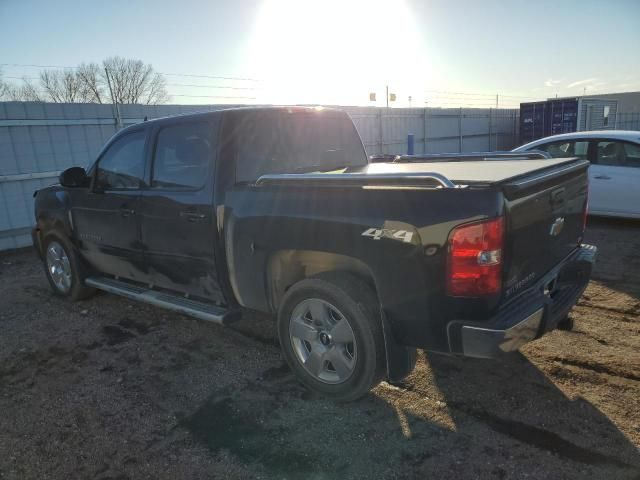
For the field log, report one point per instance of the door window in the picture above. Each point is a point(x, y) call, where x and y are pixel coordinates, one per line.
point(618, 154)
point(182, 156)
point(122, 165)
point(566, 149)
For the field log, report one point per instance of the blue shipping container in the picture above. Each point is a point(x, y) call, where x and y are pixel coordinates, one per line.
point(550, 117)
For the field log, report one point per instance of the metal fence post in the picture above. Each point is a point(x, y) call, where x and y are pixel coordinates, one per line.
point(424, 121)
point(497, 128)
point(460, 130)
point(381, 133)
point(490, 130)
point(410, 144)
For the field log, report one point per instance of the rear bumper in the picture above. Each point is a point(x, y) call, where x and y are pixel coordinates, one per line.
point(530, 315)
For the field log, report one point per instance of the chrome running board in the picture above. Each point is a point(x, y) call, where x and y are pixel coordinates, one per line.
point(193, 308)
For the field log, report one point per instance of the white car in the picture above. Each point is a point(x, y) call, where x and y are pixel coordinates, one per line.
point(614, 175)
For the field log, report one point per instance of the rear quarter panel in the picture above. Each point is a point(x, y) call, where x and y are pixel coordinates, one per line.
point(407, 270)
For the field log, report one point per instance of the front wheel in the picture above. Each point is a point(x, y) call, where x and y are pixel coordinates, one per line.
point(64, 269)
point(331, 335)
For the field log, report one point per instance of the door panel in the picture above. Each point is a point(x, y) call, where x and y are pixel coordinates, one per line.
point(178, 239)
point(105, 217)
point(106, 226)
point(178, 227)
point(615, 178)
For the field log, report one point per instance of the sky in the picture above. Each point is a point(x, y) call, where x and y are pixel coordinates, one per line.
point(336, 52)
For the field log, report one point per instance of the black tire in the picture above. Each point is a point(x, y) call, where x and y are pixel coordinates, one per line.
point(566, 324)
point(77, 290)
point(358, 304)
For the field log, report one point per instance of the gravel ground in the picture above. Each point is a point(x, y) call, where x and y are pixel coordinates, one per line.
point(107, 388)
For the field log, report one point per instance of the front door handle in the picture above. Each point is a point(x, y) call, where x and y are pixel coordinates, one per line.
point(193, 216)
point(126, 212)
point(602, 177)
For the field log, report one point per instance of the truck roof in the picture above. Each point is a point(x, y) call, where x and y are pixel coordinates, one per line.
point(247, 109)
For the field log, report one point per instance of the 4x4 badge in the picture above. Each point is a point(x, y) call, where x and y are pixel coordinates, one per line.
point(378, 233)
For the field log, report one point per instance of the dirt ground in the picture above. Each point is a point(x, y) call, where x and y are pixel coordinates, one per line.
point(110, 389)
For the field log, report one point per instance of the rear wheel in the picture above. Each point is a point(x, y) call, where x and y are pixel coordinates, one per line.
point(331, 335)
point(64, 269)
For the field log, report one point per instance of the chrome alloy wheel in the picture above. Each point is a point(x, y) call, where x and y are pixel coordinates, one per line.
point(59, 267)
point(323, 341)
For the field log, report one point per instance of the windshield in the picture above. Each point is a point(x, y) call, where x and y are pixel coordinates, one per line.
point(297, 142)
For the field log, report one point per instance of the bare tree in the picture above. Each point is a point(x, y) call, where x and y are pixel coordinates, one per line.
point(67, 86)
point(91, 77)
point(4, 88)
point(27, 92)
point(60, 85)
point(132, 81)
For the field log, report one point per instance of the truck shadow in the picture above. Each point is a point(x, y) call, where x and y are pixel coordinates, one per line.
point(512, 397)
point(457, 417)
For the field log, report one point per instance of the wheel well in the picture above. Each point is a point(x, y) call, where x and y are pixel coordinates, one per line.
point(287, 267)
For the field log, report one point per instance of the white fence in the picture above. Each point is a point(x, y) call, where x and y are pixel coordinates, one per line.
point(38, 140)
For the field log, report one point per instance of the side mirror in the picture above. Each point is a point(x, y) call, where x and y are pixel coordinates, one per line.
point(74, 177)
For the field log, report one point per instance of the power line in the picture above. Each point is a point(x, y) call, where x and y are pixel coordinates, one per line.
point(462, 93)
point(207, 86)
point(33, 66)
point(212, 96)
point(209, 76)
point(30, 65)
point(476, 94)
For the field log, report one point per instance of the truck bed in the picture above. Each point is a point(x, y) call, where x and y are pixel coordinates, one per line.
point(472, 172)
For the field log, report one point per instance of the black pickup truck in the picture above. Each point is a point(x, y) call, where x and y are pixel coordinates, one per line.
point(278, 210)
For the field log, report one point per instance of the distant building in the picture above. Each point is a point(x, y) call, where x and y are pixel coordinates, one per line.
point(611, 111)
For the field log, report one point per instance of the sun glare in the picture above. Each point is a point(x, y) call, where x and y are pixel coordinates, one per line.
point(334, 52)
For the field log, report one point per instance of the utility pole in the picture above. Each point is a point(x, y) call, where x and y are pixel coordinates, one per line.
point(116, 109)
point(387, 96)
point(496, 122)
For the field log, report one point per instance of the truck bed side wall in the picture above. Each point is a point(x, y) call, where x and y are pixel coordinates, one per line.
point(276, 235)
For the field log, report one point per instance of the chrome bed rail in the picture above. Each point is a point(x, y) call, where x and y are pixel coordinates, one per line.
point(359, 179)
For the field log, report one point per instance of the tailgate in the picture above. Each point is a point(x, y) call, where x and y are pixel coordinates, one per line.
point(544, 214)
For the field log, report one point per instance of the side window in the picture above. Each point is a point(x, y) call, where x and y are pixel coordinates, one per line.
point(632, 152)
point(618, 154)
point(182, 156)
point(122, 165)
point(566, 149)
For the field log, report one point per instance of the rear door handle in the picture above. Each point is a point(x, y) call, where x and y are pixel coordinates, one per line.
point(126, 212)
point(602, 177)
point(193, 216)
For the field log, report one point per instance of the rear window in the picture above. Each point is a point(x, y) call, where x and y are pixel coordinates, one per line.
point(294, 142)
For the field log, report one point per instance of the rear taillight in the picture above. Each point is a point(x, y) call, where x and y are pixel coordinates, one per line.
point(475, 259)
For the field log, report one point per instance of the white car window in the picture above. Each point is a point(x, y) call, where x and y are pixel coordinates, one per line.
point(632, 151)
point(618, 154)
point(566, 149)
